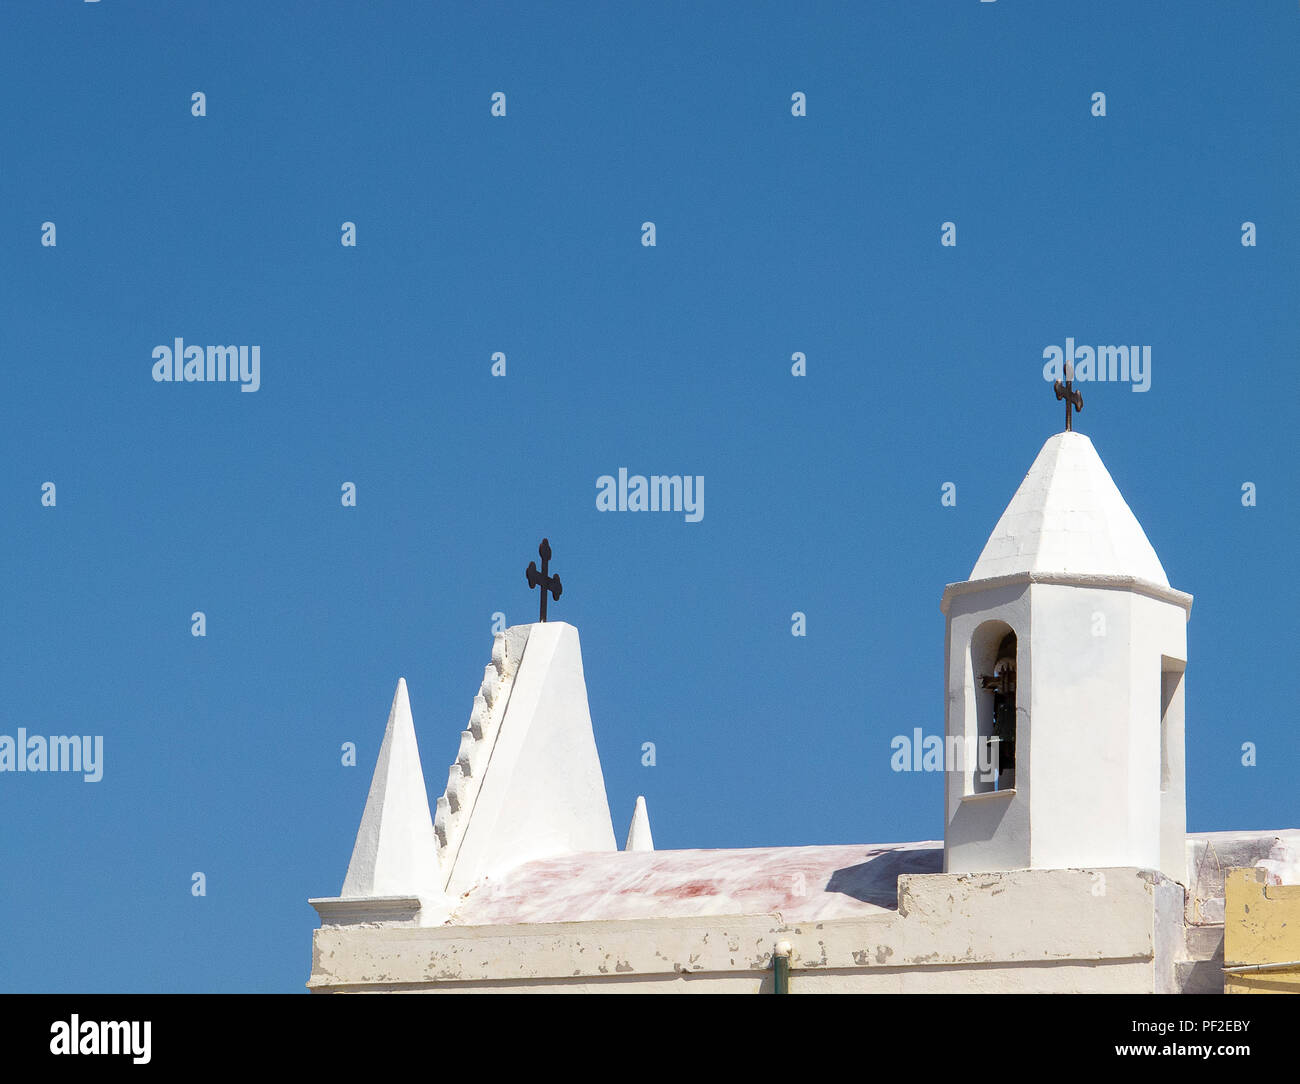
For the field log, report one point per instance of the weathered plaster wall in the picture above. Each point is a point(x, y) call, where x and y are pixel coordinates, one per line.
point(1261, 926)
point(1025, 930)
point(1209, 857)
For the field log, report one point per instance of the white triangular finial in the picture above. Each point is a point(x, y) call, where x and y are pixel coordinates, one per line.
point(396, 852)
point(638, 833)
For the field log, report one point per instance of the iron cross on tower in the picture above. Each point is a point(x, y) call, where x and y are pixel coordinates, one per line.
point(542, 579)
point(1072, 396)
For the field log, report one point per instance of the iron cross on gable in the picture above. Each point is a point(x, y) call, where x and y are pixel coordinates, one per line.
point(1072, 396)
point(542, 579)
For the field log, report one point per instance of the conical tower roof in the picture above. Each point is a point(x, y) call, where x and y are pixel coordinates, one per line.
point(1068, 517)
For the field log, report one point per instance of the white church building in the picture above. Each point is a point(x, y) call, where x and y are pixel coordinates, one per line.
point(1065, 863)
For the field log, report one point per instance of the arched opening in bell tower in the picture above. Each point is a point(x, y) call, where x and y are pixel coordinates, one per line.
point(993, 664)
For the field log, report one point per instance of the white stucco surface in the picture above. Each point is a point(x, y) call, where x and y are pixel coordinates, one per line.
point(1282, 866)
point(799, 883)
point(1068, 516)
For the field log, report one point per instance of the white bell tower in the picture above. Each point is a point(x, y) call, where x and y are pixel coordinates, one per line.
point(1066, 651)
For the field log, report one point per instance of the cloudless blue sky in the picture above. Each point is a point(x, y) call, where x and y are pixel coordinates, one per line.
point(522, 234)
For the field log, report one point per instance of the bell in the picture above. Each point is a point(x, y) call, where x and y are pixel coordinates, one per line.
point(1002, 683)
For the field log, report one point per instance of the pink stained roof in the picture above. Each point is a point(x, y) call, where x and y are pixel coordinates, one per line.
point(800, 884)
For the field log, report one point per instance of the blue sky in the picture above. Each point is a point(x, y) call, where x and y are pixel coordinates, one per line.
point(522, 234)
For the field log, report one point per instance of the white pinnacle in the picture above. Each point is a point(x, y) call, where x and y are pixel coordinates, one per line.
point(638, 833)
point(396, 852)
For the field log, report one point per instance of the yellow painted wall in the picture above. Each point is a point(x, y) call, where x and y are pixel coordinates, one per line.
point(1261, 925)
